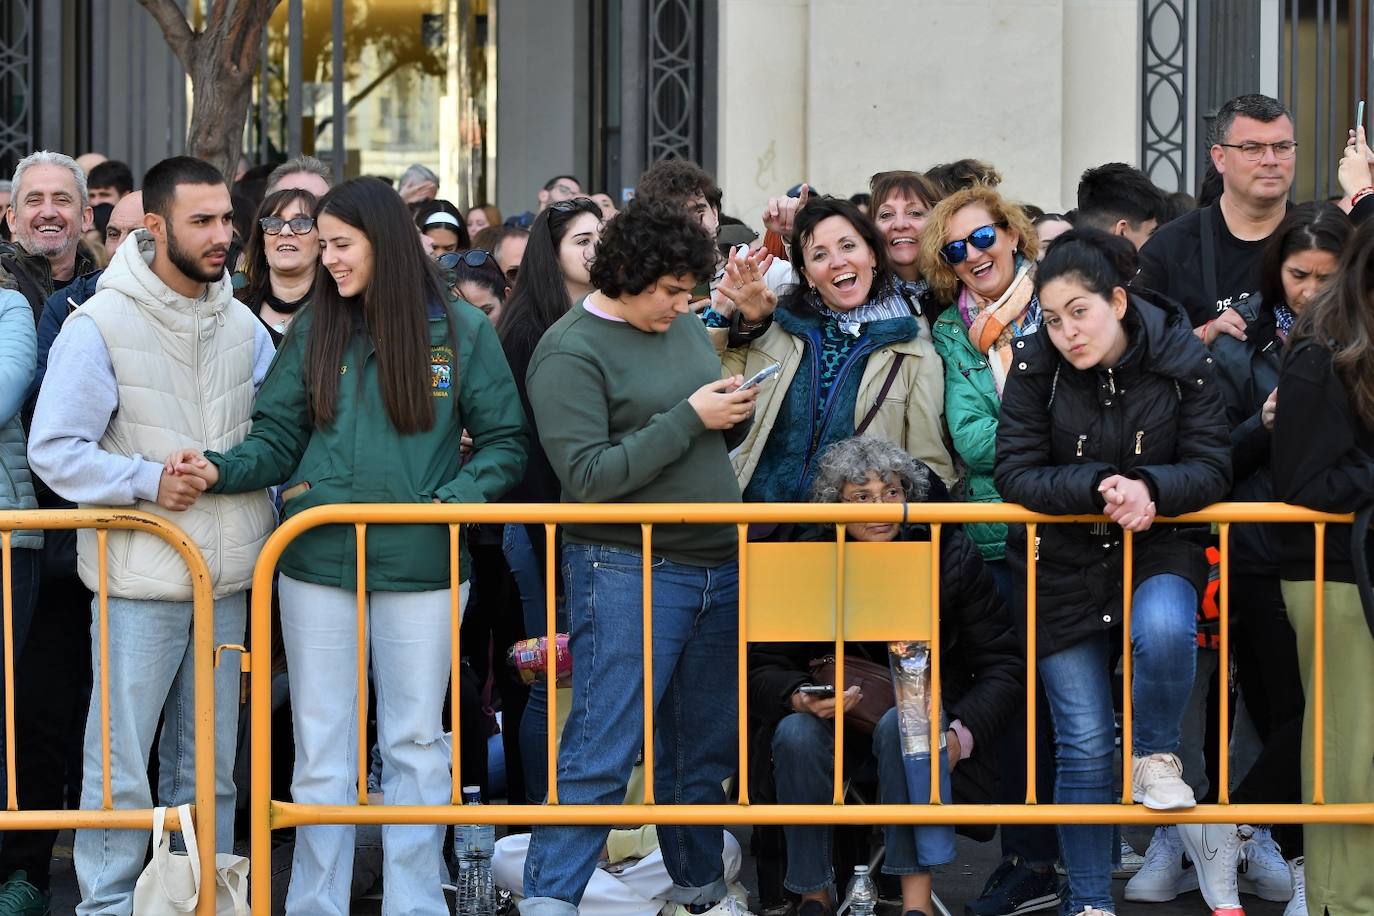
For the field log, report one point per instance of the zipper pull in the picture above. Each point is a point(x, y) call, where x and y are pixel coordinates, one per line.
point(1037, 547)
point(1139, 434)
point(1081, 439)
point(1111, 380)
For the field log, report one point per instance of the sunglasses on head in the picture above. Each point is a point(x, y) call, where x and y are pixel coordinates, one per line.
point(982, 238)
point(473, 257)
point(300, 225)
point(576, 203)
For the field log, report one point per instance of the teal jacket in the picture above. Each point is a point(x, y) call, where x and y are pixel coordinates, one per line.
point(971, 411)
point(18, 359)
point(360, 458)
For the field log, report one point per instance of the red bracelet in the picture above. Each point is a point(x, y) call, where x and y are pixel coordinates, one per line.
point(1360, 195)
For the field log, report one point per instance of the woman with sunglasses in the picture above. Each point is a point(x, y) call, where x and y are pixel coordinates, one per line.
point(978, 251)
point(554, 276)
point(853, 353)
point(474, 276)
point(1112, 408)
point(280, 260)
point(365, 403)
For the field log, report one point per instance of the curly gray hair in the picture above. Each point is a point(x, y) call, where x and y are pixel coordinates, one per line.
point(856, 460)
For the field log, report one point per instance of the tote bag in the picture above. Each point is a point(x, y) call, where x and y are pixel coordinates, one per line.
point(170, 884)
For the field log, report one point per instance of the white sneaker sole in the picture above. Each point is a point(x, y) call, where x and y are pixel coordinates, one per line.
point(1255, 889)
point(1148, 894)
point(1154, 804)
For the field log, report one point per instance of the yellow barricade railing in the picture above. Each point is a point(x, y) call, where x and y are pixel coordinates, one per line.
point(847, 611)
point(104, 521)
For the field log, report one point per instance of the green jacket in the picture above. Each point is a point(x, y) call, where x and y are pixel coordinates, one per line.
point(971, 411)
point(360, 458)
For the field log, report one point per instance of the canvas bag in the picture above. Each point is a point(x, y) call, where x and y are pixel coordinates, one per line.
point(170, 883)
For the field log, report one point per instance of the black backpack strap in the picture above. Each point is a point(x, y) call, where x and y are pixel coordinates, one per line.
point(1209, 255)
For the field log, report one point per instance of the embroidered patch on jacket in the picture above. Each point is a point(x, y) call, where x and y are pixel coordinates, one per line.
point(440, 371)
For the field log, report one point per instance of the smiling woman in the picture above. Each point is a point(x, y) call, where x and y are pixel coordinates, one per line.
point(281, 258)
point(854, 357)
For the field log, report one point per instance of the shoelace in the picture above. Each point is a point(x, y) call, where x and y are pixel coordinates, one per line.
point(1299, 884)
point(19, 892)
point(1162, 851)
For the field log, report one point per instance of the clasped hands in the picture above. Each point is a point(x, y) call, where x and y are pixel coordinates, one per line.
point(185, 475)
point(1128, 502)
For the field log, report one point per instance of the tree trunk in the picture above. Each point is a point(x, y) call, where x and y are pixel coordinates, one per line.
point(221, 60)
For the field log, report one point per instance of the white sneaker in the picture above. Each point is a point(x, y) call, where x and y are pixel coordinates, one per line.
point(1094, 911)
point(1215, 851)
point(1297, 904)
point(1262, 871)
point(728, 906)
point(1157, 782)
point(1166, 873)
point(1131, 861)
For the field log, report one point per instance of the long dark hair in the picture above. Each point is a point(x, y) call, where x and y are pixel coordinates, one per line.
point(255, 252)
point(540, 296)
point(797, 297)
point(395, 308)
point(1313, 226)
point(1341, 318)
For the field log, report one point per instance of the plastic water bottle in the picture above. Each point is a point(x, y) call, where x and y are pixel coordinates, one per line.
point(862, 895)
point(473, 847)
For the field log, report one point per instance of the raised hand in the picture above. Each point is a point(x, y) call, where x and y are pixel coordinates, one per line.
point(781, 212)
point(744, 285)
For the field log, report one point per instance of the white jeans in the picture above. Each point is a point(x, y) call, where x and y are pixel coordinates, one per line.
point(408, 635)
point(639, 889)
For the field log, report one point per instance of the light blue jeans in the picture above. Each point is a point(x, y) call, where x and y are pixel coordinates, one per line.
point(408, 634)
point(1078, 687)
point(151, 674)
point(696, 619)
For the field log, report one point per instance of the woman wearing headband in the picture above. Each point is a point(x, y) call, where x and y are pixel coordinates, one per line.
point(442, 223)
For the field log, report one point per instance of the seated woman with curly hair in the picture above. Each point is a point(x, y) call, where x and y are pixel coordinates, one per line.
point(630, 407)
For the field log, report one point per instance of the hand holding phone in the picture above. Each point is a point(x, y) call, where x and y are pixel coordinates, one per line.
point(819, 691)
point(763, 375)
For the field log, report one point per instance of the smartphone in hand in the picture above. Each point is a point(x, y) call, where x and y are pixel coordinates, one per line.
point(761, 376)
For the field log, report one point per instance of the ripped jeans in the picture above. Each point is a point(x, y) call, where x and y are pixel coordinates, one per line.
point(408, 635)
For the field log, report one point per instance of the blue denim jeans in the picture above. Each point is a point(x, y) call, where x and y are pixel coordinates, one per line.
point(803, 757)
point(696, 624)
point(152, 674)
point(534, 723)
point(1077, 685)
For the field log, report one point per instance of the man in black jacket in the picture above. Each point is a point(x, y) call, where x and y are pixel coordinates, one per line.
point(1208, 259)
point(46, 215)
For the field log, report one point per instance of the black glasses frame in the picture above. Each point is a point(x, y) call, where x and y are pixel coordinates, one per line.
point(300, 225)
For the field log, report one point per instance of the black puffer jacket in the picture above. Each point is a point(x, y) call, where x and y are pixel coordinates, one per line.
point(1247, 371)
point(1157, 416)
point(982, 672)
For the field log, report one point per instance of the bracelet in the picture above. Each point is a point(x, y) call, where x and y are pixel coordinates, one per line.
point(1360, 195)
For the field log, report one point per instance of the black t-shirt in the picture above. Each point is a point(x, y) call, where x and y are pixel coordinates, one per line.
point(1171, 264)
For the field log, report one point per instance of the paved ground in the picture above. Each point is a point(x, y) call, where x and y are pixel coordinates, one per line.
point(956, 883)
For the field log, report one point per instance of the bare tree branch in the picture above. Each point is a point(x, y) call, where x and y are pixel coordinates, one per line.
point(175, 29)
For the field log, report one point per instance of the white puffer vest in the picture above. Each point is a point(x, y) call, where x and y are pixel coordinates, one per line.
point(184, 369)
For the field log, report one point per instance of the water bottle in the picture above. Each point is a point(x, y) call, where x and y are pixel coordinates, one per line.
point(473, 847)
point(862, 895)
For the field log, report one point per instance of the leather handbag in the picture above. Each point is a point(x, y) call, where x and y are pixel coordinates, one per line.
point(874, 682)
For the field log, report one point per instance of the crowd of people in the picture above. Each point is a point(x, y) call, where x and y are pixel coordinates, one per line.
point(226, 353)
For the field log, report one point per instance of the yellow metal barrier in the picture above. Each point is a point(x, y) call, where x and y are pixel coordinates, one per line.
point(814, 568)
point(103, 521)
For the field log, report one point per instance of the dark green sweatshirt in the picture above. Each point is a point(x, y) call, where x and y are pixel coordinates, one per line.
point(610, 404)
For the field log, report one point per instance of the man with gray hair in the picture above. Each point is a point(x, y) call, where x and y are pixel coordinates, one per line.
point(48, 210)
point(304, 172)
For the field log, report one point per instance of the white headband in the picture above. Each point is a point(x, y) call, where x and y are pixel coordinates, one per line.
point(440, 218)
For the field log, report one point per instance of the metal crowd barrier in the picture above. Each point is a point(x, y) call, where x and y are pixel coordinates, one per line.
point(795, 592)
point(107, 817)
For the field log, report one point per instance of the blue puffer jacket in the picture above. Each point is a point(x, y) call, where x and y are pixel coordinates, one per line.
point(18, 357)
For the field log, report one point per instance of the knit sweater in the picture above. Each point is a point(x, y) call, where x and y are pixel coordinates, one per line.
point(610, 403)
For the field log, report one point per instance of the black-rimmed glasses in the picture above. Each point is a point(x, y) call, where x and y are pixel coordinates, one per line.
point(473, 257)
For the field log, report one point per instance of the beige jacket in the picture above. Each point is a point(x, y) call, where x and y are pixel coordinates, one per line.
point(911, 415)
point(184, 370)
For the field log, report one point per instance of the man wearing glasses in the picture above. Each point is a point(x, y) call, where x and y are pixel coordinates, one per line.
point(1208, 259)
